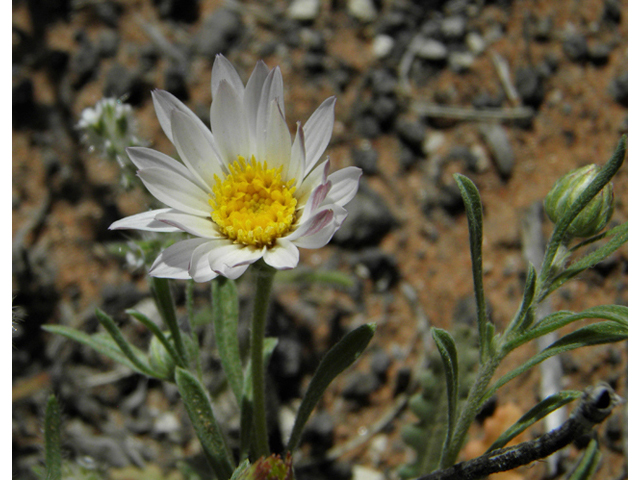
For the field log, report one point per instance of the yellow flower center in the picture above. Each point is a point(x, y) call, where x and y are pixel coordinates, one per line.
point(253, 205)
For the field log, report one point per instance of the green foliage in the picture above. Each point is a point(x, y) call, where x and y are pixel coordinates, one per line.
point(52, 454)
point(339, 357)
point(588, 464)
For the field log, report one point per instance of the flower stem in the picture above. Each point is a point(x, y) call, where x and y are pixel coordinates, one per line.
point(264, 281)
point(469, 411)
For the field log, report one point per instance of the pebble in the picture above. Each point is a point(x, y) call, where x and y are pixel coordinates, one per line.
point(497, 140)
point(429, 49)
point(619, 89)
point(318, 432)
point(304, 10)
point(368, 222)
point(359, 386)
point(178, 10)
point(380, 267)
point(530, 86)
point(460, 62)
point(121, 81)
point(412, 134)
point(599, 53)
point(453, 28)
point(366, 473)
point(384, 108)
point(380, 363)
point(365, 157)
point(433, 142)
point(382, 46)
point(218, 33)
point(175, 81)
point(575, 47)
point(363, 10)
point(108, 43)
point(543, 29)
point(84, 63)
point(475, 43)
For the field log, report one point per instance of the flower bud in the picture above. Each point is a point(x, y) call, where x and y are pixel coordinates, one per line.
point(269, 468)
point(595, 216)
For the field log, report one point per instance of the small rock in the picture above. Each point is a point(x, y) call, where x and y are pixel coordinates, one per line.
point(382, 46)
point(380, 363)
point(453, 28)
point(530, 86)
point(575, 47)
point(366, 473)
point(360, 386)
point(218, 33)
point(381, 268)
point(499, 144)
point(304, 10)
point(367, 126)
point(612, 11)
point(148, 58)
point(383, 82)
point(286, 366)
point(412, 134)
point(384, 108)
point(619, 89)
point(460, 62)
point(175, 81)
point(108, 43)
point(186, 11)
point(319, 432)
point(433, 142)
point(403, 379)
point(484, 100)
point(121, 81)
point(369, 220)
point(365, 157)
point(363, 10)
point(543, 29)
point(313, 63)
point(166, 423)
point(599, 53)
point(475, 43)
point(84, 64)
point(429, 49)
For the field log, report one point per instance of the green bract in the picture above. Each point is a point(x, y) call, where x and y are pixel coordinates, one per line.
point(595, 216)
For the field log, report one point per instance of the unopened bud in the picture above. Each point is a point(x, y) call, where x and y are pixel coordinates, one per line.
point(595, 216)
point(269, 468)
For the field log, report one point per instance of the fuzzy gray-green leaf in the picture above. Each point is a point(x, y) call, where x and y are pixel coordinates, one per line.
point(224, 301)
point(198, 407)
point(542, 409)
point(339, 357)
point(52, 452)
point(447, 348)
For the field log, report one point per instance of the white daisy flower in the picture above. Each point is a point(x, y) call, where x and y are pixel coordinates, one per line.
point(244, 190)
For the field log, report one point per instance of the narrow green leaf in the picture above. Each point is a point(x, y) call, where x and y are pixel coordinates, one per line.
point(147, 322)
point(198, 407)
point(246, 407)
point(447, 348)
point(588, 463)
point(339, 357)
point(224, 301)
point(620, 236)
point(110, 326)
point(473, 208)
point(238, 473)
point(550, 323)
point(52, 452)
point(100, 342)
point(195, 343)
point(541, 410)
point(594, 334)
point(602, 178)
point(523, 317)
point(164, 302)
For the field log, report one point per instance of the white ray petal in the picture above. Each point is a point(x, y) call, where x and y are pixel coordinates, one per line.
point(229, 124)
point(223, 70)
point(344, 185)
point(198, 226)
point(143, 157)
point(298, 156)
point(173, 261)
point(145, 221)
point(195, 149)
point(278, 144)
point(175, 191)
point(199, 267)
point(272, 89)
point(317, 132)
point(251, 100)
point(283, 255)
